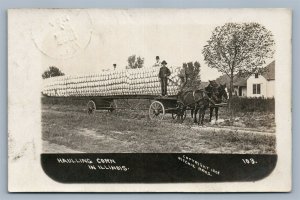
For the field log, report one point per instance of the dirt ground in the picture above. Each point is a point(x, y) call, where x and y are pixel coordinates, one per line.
point(69, 129)
point(55, 148)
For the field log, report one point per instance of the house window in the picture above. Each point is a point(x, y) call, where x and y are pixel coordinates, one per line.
point(256, 75)
point(256, 88)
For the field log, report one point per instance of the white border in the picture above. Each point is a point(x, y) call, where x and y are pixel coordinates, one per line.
point(26, 175)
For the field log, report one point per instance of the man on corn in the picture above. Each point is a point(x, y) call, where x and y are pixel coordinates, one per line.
point(157, 63)
point(164, 73)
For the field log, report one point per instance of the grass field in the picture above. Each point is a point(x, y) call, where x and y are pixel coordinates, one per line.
point(69, 127)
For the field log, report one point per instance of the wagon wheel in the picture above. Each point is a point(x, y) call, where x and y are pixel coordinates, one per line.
point(156, 110)
point(91, 107)
point(112, 106)
point(179, 108)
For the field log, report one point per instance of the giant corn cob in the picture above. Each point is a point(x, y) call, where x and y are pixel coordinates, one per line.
point(141, 81)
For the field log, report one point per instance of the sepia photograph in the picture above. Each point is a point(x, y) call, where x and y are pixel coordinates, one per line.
point(150, 95)
point(156, 88)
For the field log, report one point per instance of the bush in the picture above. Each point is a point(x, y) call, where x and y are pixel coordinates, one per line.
point(248, 104)
point(190, 76)
point(52, 72)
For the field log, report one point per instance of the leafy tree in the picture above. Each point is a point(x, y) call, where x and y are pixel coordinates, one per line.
point(239, 48)
point(135, 62)
point(51, 72)
point(190, 76)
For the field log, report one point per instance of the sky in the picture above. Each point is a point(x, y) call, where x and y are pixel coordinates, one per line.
point(87, 42)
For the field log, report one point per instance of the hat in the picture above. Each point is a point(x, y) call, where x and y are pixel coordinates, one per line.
point(157, 57)
point(164, 62)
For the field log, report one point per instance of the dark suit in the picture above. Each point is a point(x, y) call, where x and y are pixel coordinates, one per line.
point(164, 72)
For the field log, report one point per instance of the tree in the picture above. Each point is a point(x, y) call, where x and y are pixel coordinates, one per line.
point(135, 62)
point(190, 76)
point(239, 48)
point(51, 72)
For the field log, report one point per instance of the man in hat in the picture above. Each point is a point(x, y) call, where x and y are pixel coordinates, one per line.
point(164, 73)
point(115, 66)
point(157, 63)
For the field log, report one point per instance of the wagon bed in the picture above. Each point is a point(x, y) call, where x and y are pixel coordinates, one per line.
point(160, 105)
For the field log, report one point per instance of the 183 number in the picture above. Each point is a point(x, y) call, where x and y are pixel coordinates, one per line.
point(249, 161)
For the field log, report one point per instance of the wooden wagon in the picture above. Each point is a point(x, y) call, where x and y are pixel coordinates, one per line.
point(159, 105)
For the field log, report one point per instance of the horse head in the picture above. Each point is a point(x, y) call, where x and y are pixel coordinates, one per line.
point(222, 92)
point(213, 84)
point(211, 89)
point(217, 92)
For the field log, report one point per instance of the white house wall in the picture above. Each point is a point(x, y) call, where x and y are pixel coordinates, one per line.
point(270, 88)
point(263, 86)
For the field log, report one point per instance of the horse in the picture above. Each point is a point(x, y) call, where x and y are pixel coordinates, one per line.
point(217, 94)
point(198, 100)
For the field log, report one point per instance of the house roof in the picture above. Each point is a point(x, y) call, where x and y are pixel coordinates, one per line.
point(203, 84)
point(223, 79)
point(237, 80)
point(269, 72)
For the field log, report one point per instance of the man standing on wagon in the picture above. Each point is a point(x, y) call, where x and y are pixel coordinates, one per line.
point(164, 73)
point(157, 63)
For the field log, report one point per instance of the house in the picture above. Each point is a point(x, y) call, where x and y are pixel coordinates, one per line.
point(239, 84)
point(262, 85)
point(256, 85)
